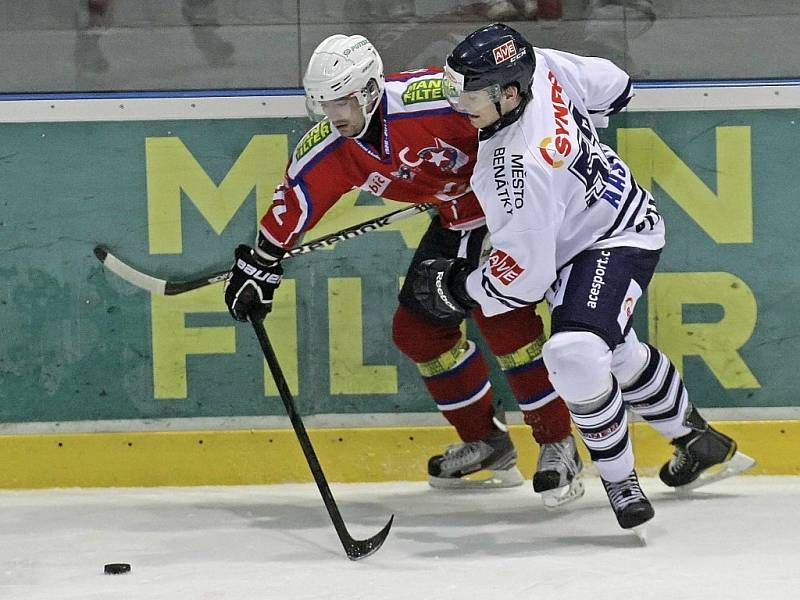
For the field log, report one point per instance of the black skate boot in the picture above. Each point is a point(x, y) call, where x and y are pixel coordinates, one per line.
point(494, 453)
point(699, 450)
point(558, 470)
point(630, 505)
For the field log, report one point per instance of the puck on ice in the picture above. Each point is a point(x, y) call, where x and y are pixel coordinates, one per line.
point(116, 568)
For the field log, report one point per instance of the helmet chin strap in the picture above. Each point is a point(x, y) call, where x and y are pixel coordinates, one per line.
point(367, 118)
point(505, 119)
point(498, 109)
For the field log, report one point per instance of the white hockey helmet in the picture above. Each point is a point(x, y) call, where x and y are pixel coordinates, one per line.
point(344, 66)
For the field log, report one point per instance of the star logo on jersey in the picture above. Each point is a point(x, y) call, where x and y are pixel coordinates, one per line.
point(448, 158)
point(437, 158)
point(444, 156)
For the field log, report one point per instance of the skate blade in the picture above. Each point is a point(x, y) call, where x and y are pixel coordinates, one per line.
point(640, 531)
point(482, 480)
point(558, 497)
point(738, 463)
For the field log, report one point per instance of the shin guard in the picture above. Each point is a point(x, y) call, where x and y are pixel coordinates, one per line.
point(453, 369)
point(659, 396)
point(516, 338)
point(603, 425)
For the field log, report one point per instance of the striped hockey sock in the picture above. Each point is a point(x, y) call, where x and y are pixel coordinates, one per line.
point(458, 380)
point(659, 396)
point(603, 425)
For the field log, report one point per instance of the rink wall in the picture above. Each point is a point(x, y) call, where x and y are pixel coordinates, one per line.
point(103, 384)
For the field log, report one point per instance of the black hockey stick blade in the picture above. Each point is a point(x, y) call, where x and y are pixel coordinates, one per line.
point(358, 549)
point(355, 549)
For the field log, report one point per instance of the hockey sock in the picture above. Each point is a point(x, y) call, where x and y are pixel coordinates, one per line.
point(603, 425)
point(516, 338)
point(659, 396)
point(459, 383)
point(452, 368)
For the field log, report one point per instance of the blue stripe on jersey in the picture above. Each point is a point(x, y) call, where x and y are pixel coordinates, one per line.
point(653, 361)
point(610, 453)
point(503, 299)
point(401, 77)
point(632, 221)
point(309, 204)
point(604, 426)
point(524, 367)
point(617, 105)
point(335, 144)
point(673, 411)
point(420, 113)
point(632, 193)
point(463, 398)
point(662, 392)
point(534, 398)
point(622, 100)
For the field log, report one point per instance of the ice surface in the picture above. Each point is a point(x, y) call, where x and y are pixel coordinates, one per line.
point(737, 539)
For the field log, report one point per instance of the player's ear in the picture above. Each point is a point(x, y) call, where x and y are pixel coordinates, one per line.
point(510, 91)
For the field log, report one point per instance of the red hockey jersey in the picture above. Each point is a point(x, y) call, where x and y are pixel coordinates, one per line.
point(427, 153)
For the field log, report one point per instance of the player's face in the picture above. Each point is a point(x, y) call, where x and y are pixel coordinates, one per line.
point(483, 107)
point(345, 114)
point(483, 115)
point(479, 105)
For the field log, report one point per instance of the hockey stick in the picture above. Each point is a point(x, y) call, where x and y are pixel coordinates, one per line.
point(355, 549)
point(165, 287)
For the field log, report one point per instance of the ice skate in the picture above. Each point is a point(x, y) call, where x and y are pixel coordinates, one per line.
point(702, 456)
point(631, 507)
point(495, 454)
point(557, 477)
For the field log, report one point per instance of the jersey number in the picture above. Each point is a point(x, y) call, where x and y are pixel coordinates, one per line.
point(590, 165)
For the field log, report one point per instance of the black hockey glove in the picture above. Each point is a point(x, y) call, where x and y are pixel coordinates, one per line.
point(251, 285)
point(440, 286)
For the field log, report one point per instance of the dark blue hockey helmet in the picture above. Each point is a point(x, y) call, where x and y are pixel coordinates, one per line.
point(490, 58)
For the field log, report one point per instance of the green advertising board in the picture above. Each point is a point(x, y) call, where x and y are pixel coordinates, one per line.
point(174, 197)
point(102, 383)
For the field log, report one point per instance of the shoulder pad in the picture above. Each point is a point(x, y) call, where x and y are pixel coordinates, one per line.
point(313, 136)
point(423, 89)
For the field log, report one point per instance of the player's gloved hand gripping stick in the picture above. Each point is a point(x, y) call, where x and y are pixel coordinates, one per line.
point(355, 549)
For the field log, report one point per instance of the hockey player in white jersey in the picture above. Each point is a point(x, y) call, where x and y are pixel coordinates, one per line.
point(568, 222)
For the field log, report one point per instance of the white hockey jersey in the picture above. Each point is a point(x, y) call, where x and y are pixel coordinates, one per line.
point(550, 189)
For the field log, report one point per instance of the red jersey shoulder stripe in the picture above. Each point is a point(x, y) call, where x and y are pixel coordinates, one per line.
point(406, 75)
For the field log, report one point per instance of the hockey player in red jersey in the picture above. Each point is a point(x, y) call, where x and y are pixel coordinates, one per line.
point(398, 138)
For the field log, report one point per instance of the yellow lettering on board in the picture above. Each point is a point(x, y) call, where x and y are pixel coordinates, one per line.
point(727, 216)
point(348, 373)
point(173, 342)
point(281, 324)
point(716, 343)
point(171, 168)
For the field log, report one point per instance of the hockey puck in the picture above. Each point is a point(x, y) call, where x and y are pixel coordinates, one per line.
point(116, 568)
